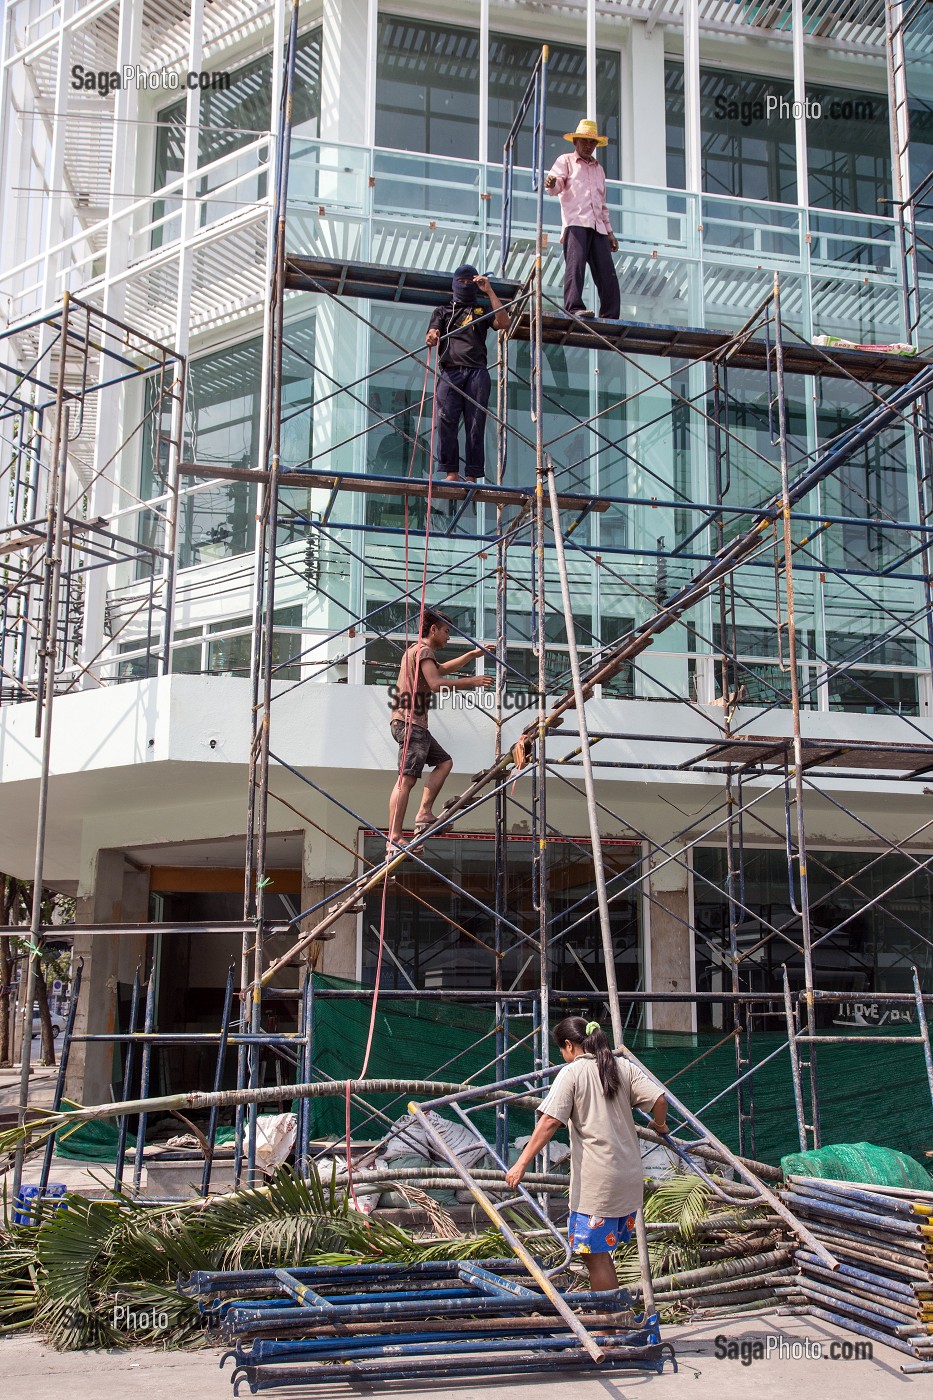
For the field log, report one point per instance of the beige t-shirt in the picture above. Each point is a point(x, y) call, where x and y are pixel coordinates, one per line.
point(605, 1161)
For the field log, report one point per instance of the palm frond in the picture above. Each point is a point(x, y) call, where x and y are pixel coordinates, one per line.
point(681, 1200)
point(18, 1287)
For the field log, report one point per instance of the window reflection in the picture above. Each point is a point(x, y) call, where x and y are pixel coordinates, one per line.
point(440, 937)
point(748, 151)
point(229, 121)
point(222, 429)
point(427, 91)
point(865, 938)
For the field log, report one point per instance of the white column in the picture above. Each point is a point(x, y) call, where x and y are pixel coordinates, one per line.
point(111, 414)
point(369, 72)
point(347, 106)
point(591, 110)
point(55, 230)
point(800, 98)
point(692, 94)
point(484, 81)
point(897, 100)
point(645, 139)
point(345, 77)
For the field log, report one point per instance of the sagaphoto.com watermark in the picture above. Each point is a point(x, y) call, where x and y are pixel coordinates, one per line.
point(773, 1347)
point(774, 107)
point(104, 81)
point(513, 699)
point(140, 1319)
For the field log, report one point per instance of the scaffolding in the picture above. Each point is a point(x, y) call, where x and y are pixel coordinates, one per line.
point(770, 771)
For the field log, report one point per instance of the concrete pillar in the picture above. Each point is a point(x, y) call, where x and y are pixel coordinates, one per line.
point(669, 965)
point(338, 955)
point(119, 894)
point(644, 147)
point(345, 50)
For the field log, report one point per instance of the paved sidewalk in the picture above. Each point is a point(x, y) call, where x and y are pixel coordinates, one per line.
point(29, 1370)
point(41, 1084)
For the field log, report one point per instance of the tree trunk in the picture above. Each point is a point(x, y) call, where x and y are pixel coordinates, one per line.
point(45, 1019)
point(47, 1057)
point(7, 966)
point(6, 1001)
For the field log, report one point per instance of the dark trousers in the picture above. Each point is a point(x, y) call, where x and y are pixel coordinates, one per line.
point(462, 393)
point(585, 247)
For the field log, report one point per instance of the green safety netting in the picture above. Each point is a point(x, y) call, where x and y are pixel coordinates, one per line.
point(97, 1141)
point(858, 1161)
point(884, 1085)
point(92, 1142)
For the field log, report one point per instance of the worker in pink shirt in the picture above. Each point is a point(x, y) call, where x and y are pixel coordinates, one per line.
point(580, 182)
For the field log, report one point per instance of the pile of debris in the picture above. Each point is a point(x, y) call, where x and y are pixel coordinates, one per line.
point(883, 1239)
point(746, 1263)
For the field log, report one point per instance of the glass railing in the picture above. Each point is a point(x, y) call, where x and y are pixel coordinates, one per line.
point(683, 258)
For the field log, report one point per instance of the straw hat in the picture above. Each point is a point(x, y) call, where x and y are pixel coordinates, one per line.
point(586, 131)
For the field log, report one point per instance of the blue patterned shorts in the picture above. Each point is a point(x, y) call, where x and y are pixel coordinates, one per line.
point(598, 1234)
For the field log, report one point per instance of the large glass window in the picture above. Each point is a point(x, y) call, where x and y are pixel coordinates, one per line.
point(439, 937)
point(427, 91)
point(229, 121)
point(872, 485)
point(849, 151)
point(222, 429)
point(748, 146)
point(743, 153)
point(427, 88)
point(511, 61)
point(871, 915)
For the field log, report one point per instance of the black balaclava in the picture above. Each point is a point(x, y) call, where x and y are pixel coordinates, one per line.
point(464, 288)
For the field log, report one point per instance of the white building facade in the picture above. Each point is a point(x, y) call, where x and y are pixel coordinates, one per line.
point(740, 144)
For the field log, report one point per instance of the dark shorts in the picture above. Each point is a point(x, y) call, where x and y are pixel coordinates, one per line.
point(423, 749)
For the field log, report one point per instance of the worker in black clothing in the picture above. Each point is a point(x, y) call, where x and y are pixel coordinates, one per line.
point(459, 331)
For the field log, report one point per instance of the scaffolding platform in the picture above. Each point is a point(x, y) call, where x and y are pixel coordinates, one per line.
point(370, 485)
point(414, 287)
point(755, 752)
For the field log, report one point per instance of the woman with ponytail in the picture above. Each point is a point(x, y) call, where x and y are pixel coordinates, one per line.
point(594, 1094)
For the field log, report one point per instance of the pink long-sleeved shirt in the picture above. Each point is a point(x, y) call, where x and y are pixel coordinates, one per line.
point(581, 185)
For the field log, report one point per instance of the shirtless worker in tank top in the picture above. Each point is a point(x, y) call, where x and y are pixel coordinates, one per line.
point(420, 676)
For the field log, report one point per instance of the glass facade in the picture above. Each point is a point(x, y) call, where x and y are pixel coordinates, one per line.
point(512, 59)
point(748, 141)
point(222, 429)
point(699, 262)
point(427, 90)
point(456, 949)
point(229, 121)
point(867, 934)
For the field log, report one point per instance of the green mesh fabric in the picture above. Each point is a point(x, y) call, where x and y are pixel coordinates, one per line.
point(97, 1141)
point(859, 1161)
point(92, 1142)
point(454, 1042)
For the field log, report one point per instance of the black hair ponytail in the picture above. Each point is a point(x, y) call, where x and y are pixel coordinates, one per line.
point(592, 1041)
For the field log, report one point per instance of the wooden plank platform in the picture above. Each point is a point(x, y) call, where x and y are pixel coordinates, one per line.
point(413, 287)
point(393, 486)
point(755, 751)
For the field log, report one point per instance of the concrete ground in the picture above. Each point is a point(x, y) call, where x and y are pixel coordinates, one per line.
point(29, 1370)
